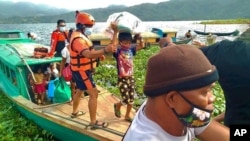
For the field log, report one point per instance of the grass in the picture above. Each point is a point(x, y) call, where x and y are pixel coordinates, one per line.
point(15, 127)
point(230, 21)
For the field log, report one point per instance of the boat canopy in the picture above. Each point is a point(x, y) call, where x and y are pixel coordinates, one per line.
point(16, 53)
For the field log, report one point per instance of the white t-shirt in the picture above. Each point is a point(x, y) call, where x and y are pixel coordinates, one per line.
point(144, 129)
point(65, 54)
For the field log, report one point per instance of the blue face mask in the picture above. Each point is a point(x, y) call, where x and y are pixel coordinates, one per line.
point(62, 28)
point(197, 117)
point(88, 31)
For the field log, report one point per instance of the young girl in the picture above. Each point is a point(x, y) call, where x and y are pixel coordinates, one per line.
point(39, 86)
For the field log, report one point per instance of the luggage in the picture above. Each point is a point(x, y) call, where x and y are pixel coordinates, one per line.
point(66, 73)
point(126, 22)
point(62, 91)
point(40, 52)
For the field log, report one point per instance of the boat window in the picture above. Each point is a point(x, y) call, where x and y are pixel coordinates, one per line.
point(8, 72)
point(13, 77)
point(9, 35)
point(1, 65)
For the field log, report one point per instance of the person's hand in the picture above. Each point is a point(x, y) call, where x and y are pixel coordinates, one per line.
point(102, 58)
point(113, 26)
point(110, 48)
point(198, 43)
point(138, 36)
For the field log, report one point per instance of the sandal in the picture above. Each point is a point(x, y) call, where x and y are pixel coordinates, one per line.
point(77, 114)
point(98, 125)
point(129, 119)
point(117, 112)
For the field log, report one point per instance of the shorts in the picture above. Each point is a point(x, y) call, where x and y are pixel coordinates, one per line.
point(39, 88)
point(83, 79)
point(127, 89)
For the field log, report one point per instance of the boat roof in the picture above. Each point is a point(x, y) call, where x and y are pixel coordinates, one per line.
point(15, 53)
point(7, 36)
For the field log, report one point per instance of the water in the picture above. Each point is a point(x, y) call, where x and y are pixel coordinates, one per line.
point(44, 30)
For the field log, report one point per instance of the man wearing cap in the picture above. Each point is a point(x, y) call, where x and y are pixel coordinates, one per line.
point(178, 85)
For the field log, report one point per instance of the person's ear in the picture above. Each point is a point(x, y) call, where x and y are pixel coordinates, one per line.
point(171, 98)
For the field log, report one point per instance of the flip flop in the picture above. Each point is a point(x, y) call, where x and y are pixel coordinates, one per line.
point(98, 125)
point(117, 112)
point(77, 114)
point(129, 119)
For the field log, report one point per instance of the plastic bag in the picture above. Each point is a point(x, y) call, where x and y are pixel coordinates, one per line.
point(66, 73)
point(126, 22)
point(62, 91)
point(51, 89)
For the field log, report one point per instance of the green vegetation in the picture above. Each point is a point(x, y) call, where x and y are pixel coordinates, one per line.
point(15, 127)
point(229, 21)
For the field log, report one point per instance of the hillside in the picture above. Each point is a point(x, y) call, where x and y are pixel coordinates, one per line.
point(173, 10)
point(26, 9)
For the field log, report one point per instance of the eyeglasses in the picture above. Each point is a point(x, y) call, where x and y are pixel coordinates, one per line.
point(61, 25)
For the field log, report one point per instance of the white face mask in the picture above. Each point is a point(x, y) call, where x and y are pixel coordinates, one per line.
point(88, 31)
point(62, 29)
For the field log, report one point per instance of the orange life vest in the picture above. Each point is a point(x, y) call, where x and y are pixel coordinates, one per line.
point(77, 61)
point(57, 43)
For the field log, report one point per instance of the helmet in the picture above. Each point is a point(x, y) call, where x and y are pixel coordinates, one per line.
point(85, 19)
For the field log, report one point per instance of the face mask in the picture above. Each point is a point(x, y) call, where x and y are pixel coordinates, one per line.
point(62, 29)
point(88, 31)
point(197, 117)
point(125, 47)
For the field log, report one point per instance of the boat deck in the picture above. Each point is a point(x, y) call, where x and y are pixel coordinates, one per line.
point(60, 113)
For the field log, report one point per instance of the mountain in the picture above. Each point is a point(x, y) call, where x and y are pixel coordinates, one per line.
point(26, 9)
point(173, 10)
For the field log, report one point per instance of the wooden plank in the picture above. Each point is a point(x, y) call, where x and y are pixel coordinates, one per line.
point(60, 113)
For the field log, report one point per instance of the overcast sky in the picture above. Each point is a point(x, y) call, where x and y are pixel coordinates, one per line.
point(88, 4)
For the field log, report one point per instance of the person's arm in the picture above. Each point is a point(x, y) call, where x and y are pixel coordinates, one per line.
point(220, 117)
point(115, 29)
point(53, 43)
point(63, 62)
point(141, 43)
point(215, 132)
point(81, 46)
point(198, 44)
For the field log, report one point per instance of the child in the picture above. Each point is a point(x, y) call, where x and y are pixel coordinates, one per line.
point(64, 63)
point(39, 86)
point(126, 83)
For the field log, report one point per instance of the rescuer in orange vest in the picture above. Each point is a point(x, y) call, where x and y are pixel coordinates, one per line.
point(59, 39)
point(82, 61)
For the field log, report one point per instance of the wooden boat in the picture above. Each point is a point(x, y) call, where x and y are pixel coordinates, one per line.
point(16, 64)
point(234, 33)
point(182, 41)
point(150, 37)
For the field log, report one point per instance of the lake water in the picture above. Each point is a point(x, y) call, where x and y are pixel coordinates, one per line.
point(43, 30)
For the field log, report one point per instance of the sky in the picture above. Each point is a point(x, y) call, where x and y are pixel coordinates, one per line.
point(82, 4)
